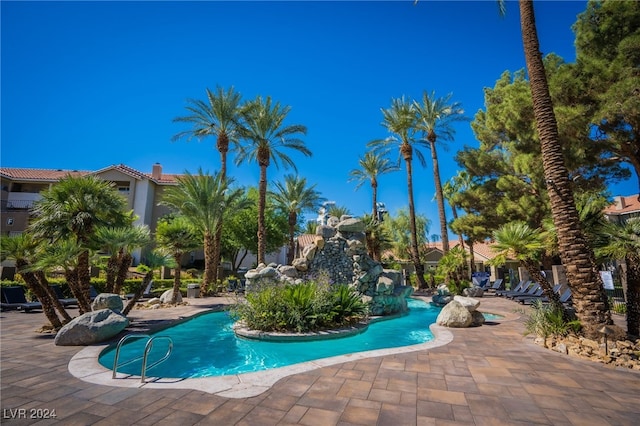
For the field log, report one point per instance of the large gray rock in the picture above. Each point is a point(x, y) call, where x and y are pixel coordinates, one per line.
point(454, 315)
point(477, 319)
point(467, 302)
point(473, 292)
point(92, 327)
point(107, 301)
point(351, 225)
point(325, 231)
point(167, 296)
point(288, 271)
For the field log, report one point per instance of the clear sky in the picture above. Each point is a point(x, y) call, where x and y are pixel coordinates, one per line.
point(86, 85)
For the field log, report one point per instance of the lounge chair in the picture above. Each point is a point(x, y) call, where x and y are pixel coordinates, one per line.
point(497, 284)
point(539, 294)
point(564, 298)
point(533, 290)
point(520, 287)
point(65, 301)
point(15, 298)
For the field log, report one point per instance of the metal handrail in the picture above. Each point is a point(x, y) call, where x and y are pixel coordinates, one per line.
point(147, 349)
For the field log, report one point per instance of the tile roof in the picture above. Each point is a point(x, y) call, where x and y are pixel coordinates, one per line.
point(39, 174)
point(630, 203)
point(51, 175)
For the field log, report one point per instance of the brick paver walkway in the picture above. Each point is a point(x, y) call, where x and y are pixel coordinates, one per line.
point(488, 375)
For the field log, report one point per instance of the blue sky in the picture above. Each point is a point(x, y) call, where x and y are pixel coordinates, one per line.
point(89, 84)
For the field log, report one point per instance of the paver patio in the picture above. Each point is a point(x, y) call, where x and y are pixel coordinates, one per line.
point(488, 375)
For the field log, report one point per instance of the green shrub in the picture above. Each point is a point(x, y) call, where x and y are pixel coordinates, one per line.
point(303, 307)
point(548, 321)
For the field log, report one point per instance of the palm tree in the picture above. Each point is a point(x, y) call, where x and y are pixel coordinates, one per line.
point(592, 307)
point(292, 198)
point(266, 135)
point(203, 199)
point(22, 249)
point(64, 254)
point(623, 244)
point(219, 116)
point(435, 119)
point(119, 242)
point(338, 211)
point(372, 165)
point(400, 120)
point(177, 237)
point(377, 237)
point(73, 209)
point(517, 240)
point(154, 260)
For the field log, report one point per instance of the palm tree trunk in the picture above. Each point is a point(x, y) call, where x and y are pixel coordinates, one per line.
point(293, 219)
point(42, 279)
point(262, 196)
point(123, 271)
point(72, 281)
point(112, 271)
point(586, 286)
point(138, 293)
point(444, 237)
point(553, 297)
point(472, 255)
point(633, 297)
point(84, 281)
point(415, 254)
point(176, 279)
point(217, 241)
point(208, 263)
point(374, 211)
point(33, 284)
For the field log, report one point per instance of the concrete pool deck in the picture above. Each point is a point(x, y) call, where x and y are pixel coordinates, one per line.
point(486, 375)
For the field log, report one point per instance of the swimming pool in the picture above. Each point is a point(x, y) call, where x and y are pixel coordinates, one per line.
point(206, 345)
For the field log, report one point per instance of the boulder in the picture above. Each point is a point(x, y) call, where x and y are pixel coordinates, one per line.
point(325, 231)
point(168, 295)
point(153, 301)
point(473, 292)
point(300, 264)
point(351, 225)
point(107, 301)
point(467, 302)
point(92, 327)
point(454, 314)
point(477, 319)
point(394, 275)
point(288, 271)
point(309, 252)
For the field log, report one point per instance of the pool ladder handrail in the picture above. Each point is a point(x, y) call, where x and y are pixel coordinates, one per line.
point(147, 349)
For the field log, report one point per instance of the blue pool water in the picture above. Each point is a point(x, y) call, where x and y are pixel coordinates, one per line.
point(207, 346)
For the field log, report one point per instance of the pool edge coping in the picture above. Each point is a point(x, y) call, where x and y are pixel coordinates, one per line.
point(85, 366)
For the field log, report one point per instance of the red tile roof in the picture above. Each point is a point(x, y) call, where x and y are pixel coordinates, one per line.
point(51, 175)
point(39, 174)
point(630, 203)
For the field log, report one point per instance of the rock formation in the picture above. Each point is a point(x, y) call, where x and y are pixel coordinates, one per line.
point(340, 254)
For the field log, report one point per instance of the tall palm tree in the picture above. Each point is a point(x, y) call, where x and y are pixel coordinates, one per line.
point(292, 198)
point(622, 243)
point(73, 208)
point(266, 135)
point(517, 240)
point(218, 116)
point(400, 120)
point(203, 199)
point(372, 165)
point(435, 120)
point(177, 236)
point(592, 307)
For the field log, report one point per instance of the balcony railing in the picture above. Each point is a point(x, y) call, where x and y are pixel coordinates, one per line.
point(8, 205)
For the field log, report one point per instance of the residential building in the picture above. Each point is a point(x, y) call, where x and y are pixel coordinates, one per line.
point(623, 208)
